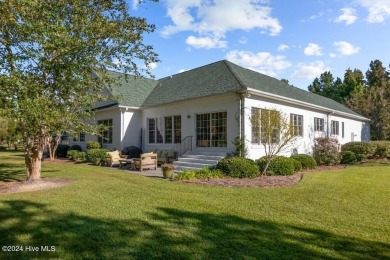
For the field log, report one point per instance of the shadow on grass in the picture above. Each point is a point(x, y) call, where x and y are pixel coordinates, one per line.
point(11, 172)
point(170, 234)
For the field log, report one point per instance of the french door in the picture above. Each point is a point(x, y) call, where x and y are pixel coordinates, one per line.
point(211, 130)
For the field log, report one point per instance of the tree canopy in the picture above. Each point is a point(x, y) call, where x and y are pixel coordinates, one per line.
point(368, 95)
point(50, 55)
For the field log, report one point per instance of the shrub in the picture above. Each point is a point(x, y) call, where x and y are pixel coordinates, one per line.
point(94, 154)
point(93, 145)
point(76, 147)
point(307, 161)
point(278, 166)
point(238, 167)
point(382, 149)
point(365, 148)
point(348, 157)
point(360, 157)
point(205, 173)
point(71, 154)
point(80, 156)
point(62, 150)
point(325, 151)
point(297, 165)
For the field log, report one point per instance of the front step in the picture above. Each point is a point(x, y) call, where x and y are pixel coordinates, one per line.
point(198, 159)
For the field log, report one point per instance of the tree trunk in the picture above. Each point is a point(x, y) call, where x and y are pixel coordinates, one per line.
point(53, 145)
point(33, 157)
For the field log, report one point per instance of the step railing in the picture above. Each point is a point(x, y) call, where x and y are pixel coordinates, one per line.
point(184, 146)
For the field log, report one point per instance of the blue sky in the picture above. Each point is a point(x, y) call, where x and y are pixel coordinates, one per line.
point(294, 40)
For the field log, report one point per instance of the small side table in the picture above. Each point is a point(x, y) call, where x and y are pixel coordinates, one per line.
point(124, 162)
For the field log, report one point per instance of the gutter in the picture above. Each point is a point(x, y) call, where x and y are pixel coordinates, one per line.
point(304, 104)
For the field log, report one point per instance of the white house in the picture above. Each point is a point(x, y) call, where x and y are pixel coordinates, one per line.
point(202, 110)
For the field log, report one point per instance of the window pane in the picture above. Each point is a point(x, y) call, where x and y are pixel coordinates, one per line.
point(168, 129)
point(151, 130)
point(177, 128)
point(255, 120)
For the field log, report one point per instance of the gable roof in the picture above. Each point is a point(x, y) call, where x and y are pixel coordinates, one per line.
point(213, 79)
point(127, 90)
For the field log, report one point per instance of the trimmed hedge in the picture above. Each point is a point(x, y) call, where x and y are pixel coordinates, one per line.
point(93, 145)
point(307, 161)
point(365, 148)
point(297, 165)
point(94, 154)
point(371, 149)
point(278, 166)
point(76, 155)
point(238, 167)
point(348, 157)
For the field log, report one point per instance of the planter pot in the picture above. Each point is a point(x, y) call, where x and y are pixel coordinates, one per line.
point(168, 173)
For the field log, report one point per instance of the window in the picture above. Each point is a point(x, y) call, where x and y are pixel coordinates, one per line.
point(255, 118)
point(211, 130)
point(106, 134)
point(342, 129)
point(164, 130)
point(177, 129)
point(318, 124)
point(265, 126)
point(168, 129)
point(80, 137)
point(335, 127)
point(296, 122)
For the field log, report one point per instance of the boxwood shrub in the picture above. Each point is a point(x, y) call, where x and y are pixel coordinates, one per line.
point(94, 154)
point(365, 148)
point(382, 149)
point(348, 157)
point(307, 161)
point(297, 165)
point(279, 166)
point(238, 167)
point(93, 145)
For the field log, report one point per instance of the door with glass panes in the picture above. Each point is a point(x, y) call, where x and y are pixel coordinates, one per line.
point(211, 130)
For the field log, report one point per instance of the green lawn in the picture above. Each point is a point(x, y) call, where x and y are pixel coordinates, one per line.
point(108, 213)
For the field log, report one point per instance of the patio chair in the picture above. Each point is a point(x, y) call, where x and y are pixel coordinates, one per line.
point(113, 158)
point(146, 161)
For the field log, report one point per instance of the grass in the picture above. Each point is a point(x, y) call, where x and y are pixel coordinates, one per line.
point(108, 213)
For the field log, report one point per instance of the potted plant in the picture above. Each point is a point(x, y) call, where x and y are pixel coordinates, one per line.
point(167, 169)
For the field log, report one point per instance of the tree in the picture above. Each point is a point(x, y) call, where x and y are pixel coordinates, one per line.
point(54, 56)
point(326, 86)
point(274, 132)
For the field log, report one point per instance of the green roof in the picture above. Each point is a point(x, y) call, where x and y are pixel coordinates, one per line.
point(129, 90)
point(213, 79)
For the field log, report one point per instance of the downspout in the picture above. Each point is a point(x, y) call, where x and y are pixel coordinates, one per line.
point(242, 121)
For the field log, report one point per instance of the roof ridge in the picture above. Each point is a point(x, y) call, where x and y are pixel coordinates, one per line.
point(227, 63)
point(193, 69)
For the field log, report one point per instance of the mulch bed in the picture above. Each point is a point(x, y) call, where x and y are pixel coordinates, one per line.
point(262, 181)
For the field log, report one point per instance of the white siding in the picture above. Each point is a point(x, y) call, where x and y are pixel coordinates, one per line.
point(188, 111)
point(303, 144)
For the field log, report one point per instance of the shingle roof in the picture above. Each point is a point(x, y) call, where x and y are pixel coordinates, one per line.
point(216, 78)
point(131, 91)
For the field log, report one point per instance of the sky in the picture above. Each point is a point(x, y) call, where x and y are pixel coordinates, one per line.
point(294, 40)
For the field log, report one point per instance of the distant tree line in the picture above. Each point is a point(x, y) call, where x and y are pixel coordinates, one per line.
point(367, 94)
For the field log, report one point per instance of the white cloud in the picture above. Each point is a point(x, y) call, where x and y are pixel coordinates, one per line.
point(205, 42)
point(348, 15)
point(378, 10)
point(243, 40)
point(263, 62)
point(313, 50)
point(320, 14)
point(310, 70)
point(283, 47)
point(181, 70)
point(345, 48)
point(152, 65)
point(214, 18)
